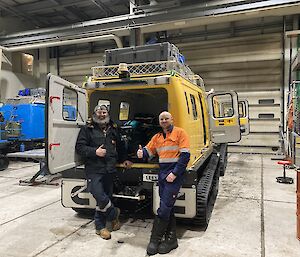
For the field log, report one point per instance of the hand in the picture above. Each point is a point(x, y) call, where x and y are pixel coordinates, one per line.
point(139, 152)
point(101, 152)
point(171, 177)
point(127, 164)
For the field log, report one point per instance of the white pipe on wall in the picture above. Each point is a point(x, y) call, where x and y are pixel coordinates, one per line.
point(64, 42)
point(0, 61)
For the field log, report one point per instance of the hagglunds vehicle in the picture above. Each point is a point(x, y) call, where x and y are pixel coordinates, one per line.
point(137, 84)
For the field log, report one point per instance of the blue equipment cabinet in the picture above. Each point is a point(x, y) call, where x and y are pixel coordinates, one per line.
point(23, 122)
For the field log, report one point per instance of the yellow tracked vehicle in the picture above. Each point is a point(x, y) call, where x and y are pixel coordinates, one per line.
point(137, 83)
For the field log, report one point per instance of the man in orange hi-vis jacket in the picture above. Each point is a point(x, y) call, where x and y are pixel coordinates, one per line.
point(173, 149)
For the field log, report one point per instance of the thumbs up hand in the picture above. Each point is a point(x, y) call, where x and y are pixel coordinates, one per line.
point(139, 152)
point(101, 152)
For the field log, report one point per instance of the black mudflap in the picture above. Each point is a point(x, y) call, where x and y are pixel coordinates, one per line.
point(223, 159)
point(207, 190)
point(4, 161)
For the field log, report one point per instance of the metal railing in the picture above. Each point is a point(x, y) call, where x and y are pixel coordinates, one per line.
point(147, 68)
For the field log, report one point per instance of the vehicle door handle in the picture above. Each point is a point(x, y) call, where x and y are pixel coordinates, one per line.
point(53, 144)
point(54, 97)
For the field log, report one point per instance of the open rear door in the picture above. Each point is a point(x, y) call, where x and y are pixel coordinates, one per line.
point(65, 114)
point(244, 117)
point(224, 118)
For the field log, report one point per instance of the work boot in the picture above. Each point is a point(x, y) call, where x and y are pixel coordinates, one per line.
point(103, 233)
point(115, 224)
point(170, 241)
point(158, 230)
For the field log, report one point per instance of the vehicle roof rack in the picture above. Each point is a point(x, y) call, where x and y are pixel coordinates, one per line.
point(148, 68)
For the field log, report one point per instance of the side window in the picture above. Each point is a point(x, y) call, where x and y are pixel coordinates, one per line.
point(194, 108)
point(187, 103)
point(242, 111)
point(27, 64)
point(203, 118)
point(223, 106)
point(70, 101)
point(124, 111)
point(104, 102)
point(22, 63)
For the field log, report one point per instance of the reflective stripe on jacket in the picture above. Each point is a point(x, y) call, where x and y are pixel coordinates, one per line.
point(173, 150)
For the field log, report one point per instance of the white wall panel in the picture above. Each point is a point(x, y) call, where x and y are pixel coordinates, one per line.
point(252, 149)
point(264, 112)
point(245, 87)
point(261, 98)
point(260, 139)
point(75, 68)
point(243, 80)
point(264, 125)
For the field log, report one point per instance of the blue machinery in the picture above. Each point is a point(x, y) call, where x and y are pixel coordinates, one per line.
point(22, 123)
point(24, 119)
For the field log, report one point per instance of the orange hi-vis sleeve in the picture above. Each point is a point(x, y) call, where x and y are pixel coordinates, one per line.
point(168, 149)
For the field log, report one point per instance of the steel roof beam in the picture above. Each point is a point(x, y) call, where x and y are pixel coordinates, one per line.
point(68, 10)
point(18, 14)
point(80, 14)
point(45, 6)
point(103, 7)
point(64, 43)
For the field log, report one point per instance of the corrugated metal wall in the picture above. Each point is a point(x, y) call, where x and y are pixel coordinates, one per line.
point(251, 66)
point(75, 68)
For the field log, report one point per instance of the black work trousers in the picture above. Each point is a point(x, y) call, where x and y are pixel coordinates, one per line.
point(101, 187)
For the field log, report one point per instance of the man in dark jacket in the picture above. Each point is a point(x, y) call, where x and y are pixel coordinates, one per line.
point(100, 146)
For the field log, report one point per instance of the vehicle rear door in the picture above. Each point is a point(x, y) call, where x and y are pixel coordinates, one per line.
point(66, 112)
point(224, 117)
point(244, 117)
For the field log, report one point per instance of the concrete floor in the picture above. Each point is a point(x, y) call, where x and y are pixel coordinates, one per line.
point(254, 216)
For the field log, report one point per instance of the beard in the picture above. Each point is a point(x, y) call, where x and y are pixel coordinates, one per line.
point(101, 122)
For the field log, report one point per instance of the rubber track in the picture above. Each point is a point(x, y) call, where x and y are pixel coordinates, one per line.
point(207, 192)
point(223, 159)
